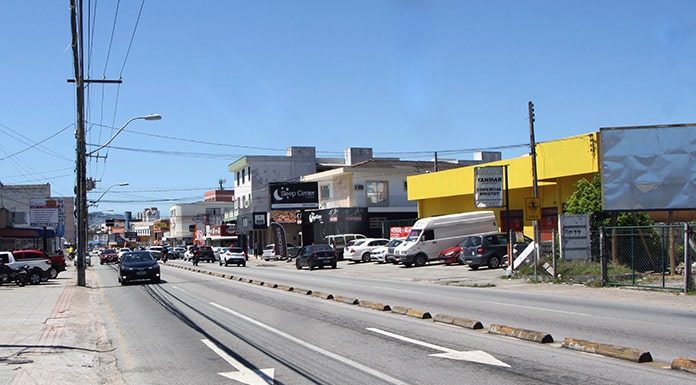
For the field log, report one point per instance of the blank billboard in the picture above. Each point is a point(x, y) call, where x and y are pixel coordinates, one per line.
point(648, 168)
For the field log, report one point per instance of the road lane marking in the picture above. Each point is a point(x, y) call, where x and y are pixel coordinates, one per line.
point(538, 308)
point(474, 356)
point(243, 374)
point(356, 365)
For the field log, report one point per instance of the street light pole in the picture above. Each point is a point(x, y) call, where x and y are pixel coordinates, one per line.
point(144, 117)
point(94, 202)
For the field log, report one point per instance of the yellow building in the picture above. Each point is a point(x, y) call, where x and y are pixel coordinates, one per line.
point(560, 164)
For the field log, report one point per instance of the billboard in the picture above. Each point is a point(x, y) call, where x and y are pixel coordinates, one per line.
point(46, 212)
point(648, 167)
point(299, 195)
point(488, 186)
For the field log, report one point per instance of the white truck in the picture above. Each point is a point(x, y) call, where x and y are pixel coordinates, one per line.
point(37, 267)
point(430, 235)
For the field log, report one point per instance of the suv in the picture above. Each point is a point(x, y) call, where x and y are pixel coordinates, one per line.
point(317, 255)
point(206, 253)
point(339, 241)
point(486, 249)
point(57, 261)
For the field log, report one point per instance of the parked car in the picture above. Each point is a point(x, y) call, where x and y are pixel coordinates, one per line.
point(360, 250)
point(486, 250)
point(234, 255)
point(108, 256)
point(430, 235)
point(57, 261)
point(36, 267)
point(138, 266)
point(383, 254)
point(317, 255)
point(269, 252)
point(340, 241)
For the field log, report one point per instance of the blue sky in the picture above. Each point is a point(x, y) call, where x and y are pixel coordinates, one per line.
point(397, 76)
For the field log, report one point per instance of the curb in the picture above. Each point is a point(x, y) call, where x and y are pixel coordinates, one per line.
point(523, 334)
point(348, 300)
point(458, 321)
point(400, 309)
point(302, 291)
point(285, 287)
point(685, 364)
point(418, 314)
point(614, 351)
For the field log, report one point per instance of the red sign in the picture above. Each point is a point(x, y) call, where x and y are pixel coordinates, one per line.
point(399, 231)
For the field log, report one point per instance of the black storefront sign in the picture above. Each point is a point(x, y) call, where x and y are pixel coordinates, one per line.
point(260, 220)
point(301, 195)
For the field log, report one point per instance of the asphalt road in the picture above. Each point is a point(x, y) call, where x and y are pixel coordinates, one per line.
point(666, 332)
point(191, 328)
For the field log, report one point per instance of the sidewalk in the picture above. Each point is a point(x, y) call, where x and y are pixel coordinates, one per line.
point(53, 334)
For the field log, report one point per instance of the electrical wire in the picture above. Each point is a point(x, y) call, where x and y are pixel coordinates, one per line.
point(35, 144)
point(130, 44)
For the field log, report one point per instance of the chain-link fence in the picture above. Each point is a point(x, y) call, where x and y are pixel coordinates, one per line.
point(647, 256)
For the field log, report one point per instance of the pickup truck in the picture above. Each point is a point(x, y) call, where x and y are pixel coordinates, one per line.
point(57, 261)
point(38, 268)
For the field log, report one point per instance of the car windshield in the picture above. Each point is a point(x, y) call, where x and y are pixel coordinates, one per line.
point(137, 257)
point(413, 235)
point(269, 247)
point(394, 243)
point(108, 251)
point(356, 242)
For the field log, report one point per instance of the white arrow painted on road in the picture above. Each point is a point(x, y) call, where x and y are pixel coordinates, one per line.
point(243, 374)
point(474, 356)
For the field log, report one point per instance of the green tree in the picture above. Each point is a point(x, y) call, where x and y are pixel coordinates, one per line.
point(587, 199)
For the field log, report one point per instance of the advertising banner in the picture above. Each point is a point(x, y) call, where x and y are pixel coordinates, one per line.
point(279, 240)
point(46, 212)
point(304, 195)
point(399, 231)
point(488, 186)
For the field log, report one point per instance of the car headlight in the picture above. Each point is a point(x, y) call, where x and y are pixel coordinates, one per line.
point(128, 269)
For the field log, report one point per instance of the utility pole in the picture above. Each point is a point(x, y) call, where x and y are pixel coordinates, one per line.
point(435, 169)
point(221, 182)
point(80, 160)
point(535, 184)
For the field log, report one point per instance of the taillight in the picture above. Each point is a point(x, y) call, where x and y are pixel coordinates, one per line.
point(479, 250)
point(48, 262)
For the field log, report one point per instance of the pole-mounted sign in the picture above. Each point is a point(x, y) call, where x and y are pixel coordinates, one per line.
point(488, 186)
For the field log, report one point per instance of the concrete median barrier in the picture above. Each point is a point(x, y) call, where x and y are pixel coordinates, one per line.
point(285, 287)
point(685, 364)
point(322, 295)
point(620, 352)
point(374, 305)
point(418, 314)
point(458, 321)
point(302, 291)
point(260, 283)
point(400, 309)
point(523, 334)
point(348, 300)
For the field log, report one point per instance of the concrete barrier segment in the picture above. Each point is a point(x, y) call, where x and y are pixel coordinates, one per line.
point(348, 300)
point(620, 352)
point(302, 291)
point(322, 295)
point(685, 364)
point(418, 314)
point(400, 309)
point(523, 334)
point(458, 321)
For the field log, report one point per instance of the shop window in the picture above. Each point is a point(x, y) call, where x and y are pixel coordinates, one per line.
point(377, 193)
point(325, 191)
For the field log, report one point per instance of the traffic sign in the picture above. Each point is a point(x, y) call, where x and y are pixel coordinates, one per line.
point(532, 209)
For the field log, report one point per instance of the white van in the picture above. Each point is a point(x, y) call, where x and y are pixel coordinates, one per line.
point(429, 236)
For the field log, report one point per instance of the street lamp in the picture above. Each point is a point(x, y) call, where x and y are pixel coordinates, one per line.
point(144, 117)
point(81, 166)
point(94, 202)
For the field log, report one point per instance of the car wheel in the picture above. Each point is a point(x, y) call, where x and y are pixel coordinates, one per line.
point(156, 280)
point(101, 262)
point(220, 263)
point(34, 277)
point(366, 257)
point(226, 263)
point(407, 264)
point(123, 282)
point(474, 267)
point(493, 262)
point(310, 265)
point(243, 264)
point(297, 265)
point(52, 273)
point(421, 259)
point(334, 265)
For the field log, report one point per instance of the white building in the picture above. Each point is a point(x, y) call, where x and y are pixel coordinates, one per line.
point(188, 221)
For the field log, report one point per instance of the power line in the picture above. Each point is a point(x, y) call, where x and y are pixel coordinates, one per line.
point(135, 28)
point(158, 190)
point(36, 143)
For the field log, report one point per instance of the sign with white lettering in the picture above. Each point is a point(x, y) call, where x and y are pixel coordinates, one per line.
point(304, 195)
point(488, 186)
point(46, 212)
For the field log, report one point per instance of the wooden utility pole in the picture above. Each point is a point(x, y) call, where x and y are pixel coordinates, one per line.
point(535, 183)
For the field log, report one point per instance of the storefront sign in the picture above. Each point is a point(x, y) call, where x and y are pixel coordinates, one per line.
point(399, 231)
point(488, 186)
point(260, 220)
point(304, 195)
point(45, 212)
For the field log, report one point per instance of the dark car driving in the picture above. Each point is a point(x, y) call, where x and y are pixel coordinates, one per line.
point(138, 266)
point(318, 255)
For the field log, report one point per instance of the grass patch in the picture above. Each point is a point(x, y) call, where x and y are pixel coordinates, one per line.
point(588, 273)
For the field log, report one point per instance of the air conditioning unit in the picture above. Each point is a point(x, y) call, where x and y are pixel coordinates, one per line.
point(359, 187)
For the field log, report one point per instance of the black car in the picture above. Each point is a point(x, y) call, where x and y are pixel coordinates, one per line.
point(138, 266)
point(206, 253)
point(318, 255)
point(487, 250)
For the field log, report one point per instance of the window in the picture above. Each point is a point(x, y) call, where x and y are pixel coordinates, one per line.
point(249, 173)
point(377, 193)
point(243, 176)
point(405, 185)
point(428, 235)
point(325, 191)
point(237, 178)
